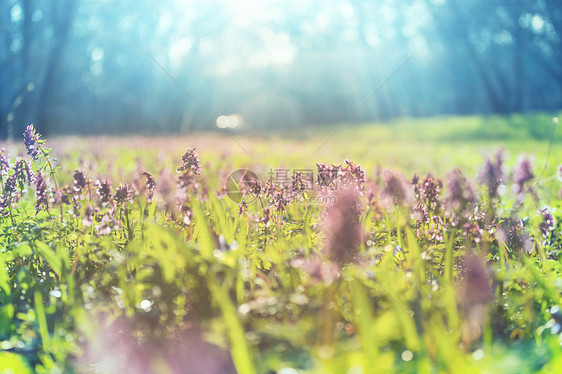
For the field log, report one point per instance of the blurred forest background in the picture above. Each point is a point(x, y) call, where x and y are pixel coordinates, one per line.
point(101, 66)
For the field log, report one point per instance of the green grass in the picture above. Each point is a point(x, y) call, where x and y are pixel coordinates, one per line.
point(261, 292)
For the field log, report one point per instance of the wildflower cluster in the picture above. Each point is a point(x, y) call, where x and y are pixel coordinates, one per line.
point(492, 175)
point(165, 249)
point(190, 162)
point(332, 177)
point(15, 180)
point(396, 190)
point(150, 186)
point(459, 199)
point(32, 142)
point(4, 163)
point(41, 193)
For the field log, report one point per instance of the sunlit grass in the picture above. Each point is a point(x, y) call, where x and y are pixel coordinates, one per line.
point(264, 288)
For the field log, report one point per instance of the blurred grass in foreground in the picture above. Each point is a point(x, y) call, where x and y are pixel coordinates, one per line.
point(131, 284)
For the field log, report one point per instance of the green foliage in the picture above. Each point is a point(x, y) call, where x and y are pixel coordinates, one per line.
point(259, 286)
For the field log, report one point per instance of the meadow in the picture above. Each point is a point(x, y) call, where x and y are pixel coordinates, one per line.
point(429, 245)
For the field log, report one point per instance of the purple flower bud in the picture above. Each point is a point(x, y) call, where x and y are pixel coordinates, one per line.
point(255, 187)
point(427, 191)
point(123, 193)
point(242, 208)
point(352, 175)
point(165, 189)
point(107, 224)
point(89, 215)
point(186, 182)
point(491, 175)
point(65, 195)
point(438, 228)
point(23, 172)
point(522, 175)
point(396, 191)
point(4, 163)
point(298, 185)
point(511, 232)
point(459, 195)
point(150, 186)
point(190, 162)
point(547, 224)
point(327, 176)
point(41, 192)
point(4, 204)
point(420, 215)
point(79, 181)
point(104, 190)
point(9, 194)
point(277, 197)
point(473, 231)
point(31, 141)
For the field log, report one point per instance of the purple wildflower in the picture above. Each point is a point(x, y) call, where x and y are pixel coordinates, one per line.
point(32, 142)
point(104, 190)
point(89, 215)
point(352, 174)
point(373, 201)
point(255, 187)
point(79, 181)
point(123, 193)
point(472, 231)
point(459, 198)
point(438, 228)
point(4, 163)
point(187, 215)
point(23, 172)
point(327, 176)
point(9, 194)
point(491, 175)
point(186, 182)
point(343, 229)
point(396, 191)
point(511, 232)
point(522, 175)
point(547, 224)
point(11, 185)
point(107, 224)
point(41, 192)
point(298, 185)
point(420, 215)
point(65, 196)
point(165, 182)
point(150, 186)
point(475, 293)
point(427, 191)
point(559, 176)
point(277, 197)
point(459, 194)
point(165, 188)
point(190, 162)
point(4, 204)
point(266, 216)
point(242, 208)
